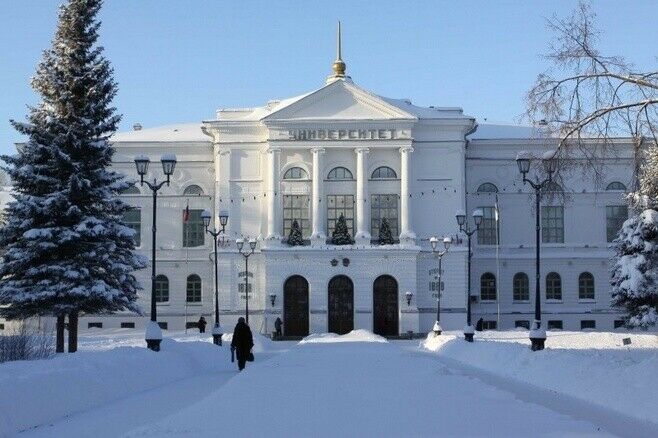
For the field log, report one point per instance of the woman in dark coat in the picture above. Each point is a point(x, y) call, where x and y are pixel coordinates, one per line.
point(242, 342)
point(202, 325)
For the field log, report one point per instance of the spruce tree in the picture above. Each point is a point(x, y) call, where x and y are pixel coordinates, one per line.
point(295, 236)
point(385, 236)
point(67, 248)
point(341, 235)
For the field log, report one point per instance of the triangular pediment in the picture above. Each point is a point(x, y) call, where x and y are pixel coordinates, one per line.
point(340, 100)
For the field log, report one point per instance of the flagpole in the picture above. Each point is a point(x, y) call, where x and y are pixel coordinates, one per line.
point(497, 213)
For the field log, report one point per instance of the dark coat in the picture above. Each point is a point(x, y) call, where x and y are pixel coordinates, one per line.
point(202, 322)
point(277, 324)
point(479, 326)
point(243, 340)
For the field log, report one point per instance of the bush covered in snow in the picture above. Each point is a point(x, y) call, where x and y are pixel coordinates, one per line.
point(26, 343)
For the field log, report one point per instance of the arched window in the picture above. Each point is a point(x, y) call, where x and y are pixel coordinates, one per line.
point(194, 190)
point(553, 286)
point(488, 287)
point(521, 286)
point(132, 190)
point(487, 188)
point(384, 172)
point(616, 186)
point(295, 173)
point(161, 289)
point(340, 173)
point(193, 289)
point(586, 286)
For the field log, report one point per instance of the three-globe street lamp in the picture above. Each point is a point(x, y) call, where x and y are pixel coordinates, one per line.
point(153, 331)
point(446, 244)
point(523, 160)
point(246, 254)
point(465, 228)
point(223, 220)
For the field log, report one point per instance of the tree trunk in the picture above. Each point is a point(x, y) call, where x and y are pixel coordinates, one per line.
point(73, 331)
point(59, 346)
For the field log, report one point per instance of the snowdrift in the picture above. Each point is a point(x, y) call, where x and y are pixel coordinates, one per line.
point(353, 336)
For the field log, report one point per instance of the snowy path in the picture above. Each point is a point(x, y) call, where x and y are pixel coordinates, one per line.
point(368, 389)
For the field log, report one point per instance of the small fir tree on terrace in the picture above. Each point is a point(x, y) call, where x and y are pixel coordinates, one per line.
point(295, 237)
point(385, 236)
point(341, 234)
point(67, 248)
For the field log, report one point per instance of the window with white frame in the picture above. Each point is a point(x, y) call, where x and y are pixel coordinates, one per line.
point(194, 231)
point(296, 208)
point(554, 324)
point(161, 289)
point(487, 188)
point(521, 287)
point(616, 186)
point(488, 287)
point(295, 173)
point(587, 324)
point(553, 286)
point(383, 172)
point(133, 219)
point(340, 173)
point(488, 231)
point(337, 205)
point(552, 224)
point(193, 289)
point(489, 325)
point(193, 190)
point(615, 216)
point(586, 286)
point(383, 206)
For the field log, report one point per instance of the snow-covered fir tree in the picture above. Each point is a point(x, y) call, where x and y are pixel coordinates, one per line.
point(341, 234)
point(295, 236)
point(385, 236)
point(67, 249)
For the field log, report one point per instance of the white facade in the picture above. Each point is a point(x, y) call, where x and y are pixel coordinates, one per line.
point(438, 157)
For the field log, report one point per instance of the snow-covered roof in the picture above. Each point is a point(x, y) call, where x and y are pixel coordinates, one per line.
point(258, 113)
point(500, 131)
point(178, 132)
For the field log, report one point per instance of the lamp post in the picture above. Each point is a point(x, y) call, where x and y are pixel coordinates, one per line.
point(223, 220)
point(408, 296)
point(446, 244)
point(523, 160)
point(153, 331)
point(246, 254)
point(465, 228)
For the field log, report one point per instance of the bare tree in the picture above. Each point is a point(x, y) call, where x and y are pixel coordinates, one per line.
point(587, 100)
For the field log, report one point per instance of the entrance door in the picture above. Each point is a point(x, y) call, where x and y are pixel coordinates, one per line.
point(295, 306)
point(341, 305)
point(385, 304)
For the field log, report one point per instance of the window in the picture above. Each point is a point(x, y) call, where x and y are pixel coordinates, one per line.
point(2, 326)
point(193, 190)
point(384, 206)
point(191, 324)
point(161, 289)
point(488, 231)
point(295, 173)
point(552, 224)
point(94, 325)
point(616, 186)
point(193, 289)
point(615, 216)
point(241, 287)
point(489, 325)
point(587, 324)
point(620, 323)
point(487, 188)
point(555, 325)
point(553, 286)
point(194, 231)
point(585, 286)
point(337, 205)
point(522, 324)
point(384, 172)
point(296, 208)
point(521, 287)
point(133, 219)
point(340, 173)
point(128, 325)
point(163, 325)
point(132, 190)
point(488, 287)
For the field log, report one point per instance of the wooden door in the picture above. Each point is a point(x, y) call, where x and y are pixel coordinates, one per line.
point(385, 306)
point(295, 306)
point(341, 305)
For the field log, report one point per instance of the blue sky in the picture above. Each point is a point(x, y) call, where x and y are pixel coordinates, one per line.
point(178, 60)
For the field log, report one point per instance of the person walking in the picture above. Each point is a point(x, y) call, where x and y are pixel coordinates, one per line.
point(277, 326)
point(242, 343)
point(202, 324)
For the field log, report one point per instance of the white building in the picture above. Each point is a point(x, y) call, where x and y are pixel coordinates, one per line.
point(343, 150)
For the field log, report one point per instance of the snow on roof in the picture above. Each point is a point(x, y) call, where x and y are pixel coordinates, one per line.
point(422, 112)
point(497, 131)
point(178, 132)
point(255, 114)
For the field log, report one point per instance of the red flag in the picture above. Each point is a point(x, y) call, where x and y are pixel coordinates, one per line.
point(186, 214)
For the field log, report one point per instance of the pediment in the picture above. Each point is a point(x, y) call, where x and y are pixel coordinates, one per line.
point(340, 100)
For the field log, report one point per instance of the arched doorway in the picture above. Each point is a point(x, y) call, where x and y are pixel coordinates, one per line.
point(341, 305)
point(385, 306)
point(295, 306)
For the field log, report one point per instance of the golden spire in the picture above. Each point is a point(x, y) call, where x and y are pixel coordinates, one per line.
point(339, 66)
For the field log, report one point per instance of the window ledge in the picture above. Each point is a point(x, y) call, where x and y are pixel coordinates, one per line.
point(552, 301)
point(487, 301)
point(586, 300)
point(195, 304)
point(521, 302)
point(163, 304)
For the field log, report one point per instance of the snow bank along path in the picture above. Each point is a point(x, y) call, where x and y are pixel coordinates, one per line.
point(592, 367)
point(362, 387)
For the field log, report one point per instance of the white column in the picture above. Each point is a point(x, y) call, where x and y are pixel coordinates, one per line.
point(319, 236)
point(216, 207)
point(273, 195)
point(406, 233)
point(223, 184)
point(362, 205)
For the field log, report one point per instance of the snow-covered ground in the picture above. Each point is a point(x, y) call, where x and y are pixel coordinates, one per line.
point(328, 385)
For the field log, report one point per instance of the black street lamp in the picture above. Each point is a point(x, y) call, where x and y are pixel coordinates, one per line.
point(446, 244)
point(223, 220)
point(537, 334)
point(153, 331)
point(250, 251)
point(465, 228)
